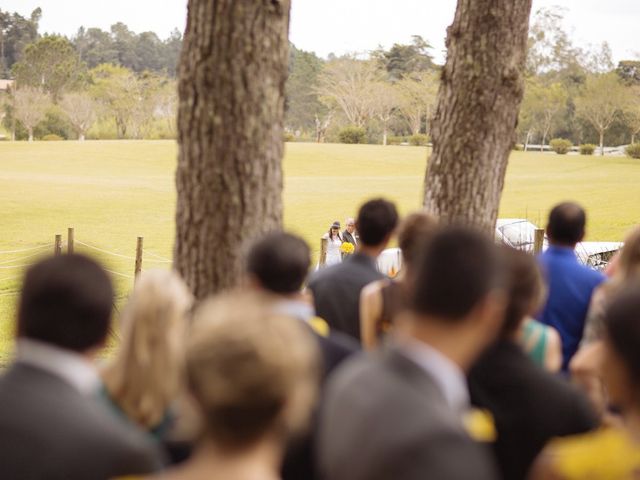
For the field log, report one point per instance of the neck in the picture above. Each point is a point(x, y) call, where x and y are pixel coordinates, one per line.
point(258, 462)
point(572, 246)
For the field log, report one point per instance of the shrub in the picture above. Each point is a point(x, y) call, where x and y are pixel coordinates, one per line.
point(419, 140)
point(352, 135)
point(560, 145)
point(289, 137)
point(52, 137)
point(587, 149)
point(633, 150)
point(396, 140)
point(518, 147)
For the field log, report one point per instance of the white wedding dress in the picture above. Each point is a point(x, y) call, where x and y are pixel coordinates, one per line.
point(334, 255)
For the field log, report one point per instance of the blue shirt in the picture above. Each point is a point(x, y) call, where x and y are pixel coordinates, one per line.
point(570, 287)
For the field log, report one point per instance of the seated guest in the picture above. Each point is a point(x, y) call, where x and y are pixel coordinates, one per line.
point(51, 425)
point(529, 406)
point(608, 453)
point(336, 290)
point(397, 413)
point(252, 378)
point(570, 284)
point(142, 382)
point(381, 301)
point(278, 265)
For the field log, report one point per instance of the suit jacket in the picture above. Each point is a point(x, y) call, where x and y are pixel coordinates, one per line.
point(347, 237)
point(49, 430)
point(384, 418)
point(336, 292)
point(530, 406)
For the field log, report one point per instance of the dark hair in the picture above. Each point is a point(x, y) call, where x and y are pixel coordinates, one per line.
point(458, 269)
point(331, 235)
point(525, 287)
point(623, 328)
point(566, 223)
point(376, 220)
point(280, 261)
point(66, 301)
point(413, 234)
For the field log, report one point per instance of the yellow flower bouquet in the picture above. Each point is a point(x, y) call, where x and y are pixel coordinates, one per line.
point(347, 248)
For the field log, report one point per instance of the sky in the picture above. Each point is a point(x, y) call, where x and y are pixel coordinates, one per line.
point(345, 26)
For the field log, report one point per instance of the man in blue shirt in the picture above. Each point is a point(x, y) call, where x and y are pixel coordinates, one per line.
point(570, 283)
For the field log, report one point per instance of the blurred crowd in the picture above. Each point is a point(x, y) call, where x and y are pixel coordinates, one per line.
point(475, 362)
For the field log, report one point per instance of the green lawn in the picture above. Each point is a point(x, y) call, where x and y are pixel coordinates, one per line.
point(113, 191)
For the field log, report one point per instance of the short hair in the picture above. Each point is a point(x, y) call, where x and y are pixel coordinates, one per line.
point(525, 288)
point(376, 220)
point(566, 223)
point(280, 261)
point(415, 231)
point(623, 328)
point(66, 301)
point(459, 268)
point(250, 370)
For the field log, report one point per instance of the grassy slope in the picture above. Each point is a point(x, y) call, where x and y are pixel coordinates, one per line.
point(111, 192)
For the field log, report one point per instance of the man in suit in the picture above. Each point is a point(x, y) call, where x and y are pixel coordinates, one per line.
point(51, 423)
point(349, 234)
point(336, 289)
point(570, 284)
point(278, 264)
point(397, 414)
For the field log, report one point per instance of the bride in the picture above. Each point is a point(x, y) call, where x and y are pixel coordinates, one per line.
point(331, 242)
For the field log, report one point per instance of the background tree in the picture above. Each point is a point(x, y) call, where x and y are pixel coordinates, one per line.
point(52, 64)
point(118, 90)
point(632, 111)
point(347, 82)
point(417, 99)
point(95, 46)
point(601, 100)
point(80, 108)
point(544, 103)
point(384, 104)
point(302, 101)
point(402, 60)
point(232, 78)
point(478, 101)
point(16, 32)
point(30, 107)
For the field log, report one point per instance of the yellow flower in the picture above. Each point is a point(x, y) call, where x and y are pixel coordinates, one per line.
point(347, 248)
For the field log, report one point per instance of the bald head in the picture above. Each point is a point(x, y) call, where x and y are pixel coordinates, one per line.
point(566, 224)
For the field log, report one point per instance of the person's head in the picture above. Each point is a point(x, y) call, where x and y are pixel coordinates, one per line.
point(144, 377)
point(459, 290)
point(279, 263)
point(252, 373)
point(376, 221)
point(629, 263)
point(334, 229)
point(566, 224)
point(525, 289)
point(621, 366)
point(66, 301)
point(350, 224)
point(414, 233)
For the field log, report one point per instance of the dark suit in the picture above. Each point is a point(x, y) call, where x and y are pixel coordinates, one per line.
point(49, 430)
point(384, 418)
point(347, 237)
point(336, 292)
point(529, 405)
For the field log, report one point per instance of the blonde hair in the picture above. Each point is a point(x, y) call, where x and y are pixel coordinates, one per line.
point(250, 370)
point(145, 376)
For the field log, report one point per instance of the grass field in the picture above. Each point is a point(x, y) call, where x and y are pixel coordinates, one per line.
point(113, 191)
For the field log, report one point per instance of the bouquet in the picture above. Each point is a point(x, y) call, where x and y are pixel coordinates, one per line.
point(347, 248)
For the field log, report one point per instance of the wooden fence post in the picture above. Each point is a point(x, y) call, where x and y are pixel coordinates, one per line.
point(138, 258)
point(70, 240)
point(538, 241)
point(57, 248)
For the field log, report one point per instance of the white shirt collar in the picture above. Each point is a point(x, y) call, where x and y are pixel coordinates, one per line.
point(71, 367)
point(448, 376)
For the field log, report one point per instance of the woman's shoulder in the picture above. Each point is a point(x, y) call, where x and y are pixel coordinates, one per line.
point(604, 453)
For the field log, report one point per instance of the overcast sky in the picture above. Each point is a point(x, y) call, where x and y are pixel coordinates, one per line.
point(342, 26)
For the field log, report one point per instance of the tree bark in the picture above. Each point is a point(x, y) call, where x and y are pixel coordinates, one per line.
point(473, 129)
point(233, 70)
point(601, 143)
point(30, 131)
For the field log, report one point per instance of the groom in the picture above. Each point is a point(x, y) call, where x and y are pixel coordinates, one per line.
point(349, 234)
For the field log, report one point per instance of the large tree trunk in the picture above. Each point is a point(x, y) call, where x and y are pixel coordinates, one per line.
point(478, 101)
point(233, 70)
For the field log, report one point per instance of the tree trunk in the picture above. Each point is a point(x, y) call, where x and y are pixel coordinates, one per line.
point(601, 143)
point(384, 135)
point(233, 70)
point(526, 141)
point(473, 129)
point(544, 139)
point(81, 137)
point(633, 138)
point(30, 130)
